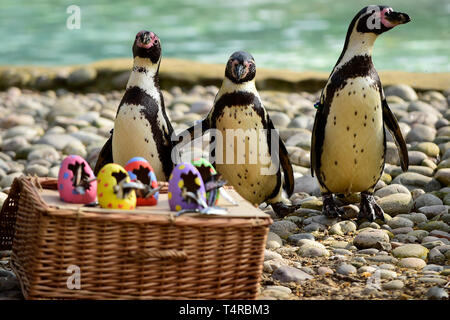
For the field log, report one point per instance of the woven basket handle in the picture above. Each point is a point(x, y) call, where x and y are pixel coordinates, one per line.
point(169, 254)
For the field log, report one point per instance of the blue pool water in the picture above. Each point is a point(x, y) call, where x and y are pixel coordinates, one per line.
point(288, 34)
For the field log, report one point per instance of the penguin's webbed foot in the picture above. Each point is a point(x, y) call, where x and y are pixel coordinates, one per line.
point(330, 209)
point(369, 210)
point(282, 209)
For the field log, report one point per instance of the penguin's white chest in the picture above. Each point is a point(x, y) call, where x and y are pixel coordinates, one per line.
point(244, 158)
point(353, 148)
point(133, 137)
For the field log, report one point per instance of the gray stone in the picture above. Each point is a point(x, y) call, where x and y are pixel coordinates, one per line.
point(435, 256)
point(403, 91)
point(391, 189)
point(309, 248)
point(283, 228)
point(440, 234)
point(369, 251)
point(369, 238)
point(279, 119)
point(307, 184)
point(58, 141)
point(387, 274)
point(420, 133)
point(38, 170)
point(271, 255)
point(323, 271)
point(273, 241)
point(443, 176)
point(343, 228)
point(434, 225)
point(432, 244)
point(7, 181)
point(436, 293)
point(419, 234)
point(290, 274)
point(295, 238)
point(396, 203)
point(427, 200)
point(15, 144)
point(434, 280)
point(412, 180)
point(411, 250)
point(402, 230)
point(49, 153)
point(393, 285)
point(434, 210)
point(399, 222)
point(412, 263)
point(346, 269)
point(433, 267)
point(81, 77)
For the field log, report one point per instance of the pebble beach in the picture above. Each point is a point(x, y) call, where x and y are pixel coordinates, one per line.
point(308, 256)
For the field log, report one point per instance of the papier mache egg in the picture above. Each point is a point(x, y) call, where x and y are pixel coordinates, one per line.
point(139, 169)
point(185, 176)
point(206, 170)
point(76, 181)
point(111, 197)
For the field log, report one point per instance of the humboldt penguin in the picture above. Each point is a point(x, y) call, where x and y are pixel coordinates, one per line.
point(141, 127)
point(348, 140)
point(251, 165)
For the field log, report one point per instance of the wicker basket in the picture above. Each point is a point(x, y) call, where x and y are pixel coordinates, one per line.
point(141, 254)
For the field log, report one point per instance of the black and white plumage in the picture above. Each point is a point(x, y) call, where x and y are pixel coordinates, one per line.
point(141, 127)
point(238, 106)
point(348, 141)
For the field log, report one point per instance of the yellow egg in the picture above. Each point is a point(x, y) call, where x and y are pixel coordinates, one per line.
point(107, 197)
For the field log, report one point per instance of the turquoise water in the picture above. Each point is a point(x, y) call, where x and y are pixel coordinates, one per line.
point(288, 34)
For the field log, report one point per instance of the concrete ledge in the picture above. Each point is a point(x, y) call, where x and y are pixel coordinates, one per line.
point(112, 74)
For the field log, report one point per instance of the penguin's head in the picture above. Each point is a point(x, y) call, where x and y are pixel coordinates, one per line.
point(240, 67)
point(378, 19)
point(147, 46)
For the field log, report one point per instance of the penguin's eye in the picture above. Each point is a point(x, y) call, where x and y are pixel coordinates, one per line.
point(156, 41)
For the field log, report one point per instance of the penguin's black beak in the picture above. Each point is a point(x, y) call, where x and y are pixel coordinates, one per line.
point(397, 18)
point(239, 71)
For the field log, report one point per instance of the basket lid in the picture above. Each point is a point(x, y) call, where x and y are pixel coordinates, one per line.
point(244, 209)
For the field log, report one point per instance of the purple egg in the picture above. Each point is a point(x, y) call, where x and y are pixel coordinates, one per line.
point(186, 177)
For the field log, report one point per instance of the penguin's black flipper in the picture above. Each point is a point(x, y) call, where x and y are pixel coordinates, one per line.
point(283, 157)
point(105, 156)
point(317, 138)
point(392, 125)
point(190, 132)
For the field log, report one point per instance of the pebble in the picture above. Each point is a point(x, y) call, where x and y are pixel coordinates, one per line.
point(273, 241)
point(410, 250)
point(396, 203)
point(427, 199)
point(399, 222)
point(309, 248)
point(343, 228)
point(393, 285)
point(283, 228)
point(369, 238)
point(346, 269)
point(439, 281)
point(271, 255)
point(290, 274)
point(412, 263)
point(324, 271)
point(295, 238)
point(436, 293)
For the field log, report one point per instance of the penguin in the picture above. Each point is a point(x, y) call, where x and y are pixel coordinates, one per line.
point(348, 144)
point(141, 127)
point(238, 108)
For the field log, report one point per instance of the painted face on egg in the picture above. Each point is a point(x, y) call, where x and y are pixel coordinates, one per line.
point(140, 170)
point(185, 176)
point(206, 170)
point(108, 177)
point(74, 183)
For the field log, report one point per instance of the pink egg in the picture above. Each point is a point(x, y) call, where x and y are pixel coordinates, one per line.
point(75, 181)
